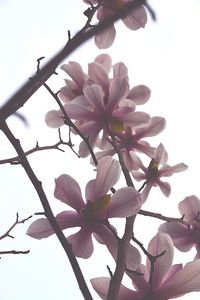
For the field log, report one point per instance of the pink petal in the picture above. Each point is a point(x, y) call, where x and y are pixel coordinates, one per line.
point(140, 282)
point(54, 118)
point(165, 188)
point(161, 155)
point(146, 191)
point(108, 173)
point(136, 19)
point(173, 270)
point(136, 119)
point(118, 91)
point(120, 69)
point(90, 191)
point(77, 111)
point(104, 236)
point(68, 191)
point(90, 129)
point(81, 242)
point(185, 281)
point(157, 125)
point(190, 208)
point(125, 203)
point(101, 286)
point(66, 94)
point(167, 170)
point(105, 38)
point(95, 95)
point(140, 94)
point(68, 219)
point(182, 237)
point(105, 60)
point(98, 75)
point(40, 229)
point(161, 242)
point(74, 70)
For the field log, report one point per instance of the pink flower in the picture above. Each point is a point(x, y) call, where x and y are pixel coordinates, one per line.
point(92, 215)
point(132, 140)
point(98, 111)
point(74, 85)
point(185, 237)
point(168, 281)
point(98, 73)
point(136, 19)
point(152, 174)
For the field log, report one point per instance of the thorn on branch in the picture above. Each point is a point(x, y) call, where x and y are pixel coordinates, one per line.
point(109, 271)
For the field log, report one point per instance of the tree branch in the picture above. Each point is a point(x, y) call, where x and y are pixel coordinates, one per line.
point(48, 212)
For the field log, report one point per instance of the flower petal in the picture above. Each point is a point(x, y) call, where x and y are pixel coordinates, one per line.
point(54, 118)
point(180, 234)
point(185, 281)
point(105, 60)
point(81, 242)
point(68, 191)
point(125, 203)
point(140, 94)
point(160, 242)
point(74, 70)
point(101, 286)
point(95, 96)
point(40, 229)
point(120, 69)
point(119, 88)
point(105, 38)
point(108, 173)
point(190, 208)
point(136, 19)
point(98, 75)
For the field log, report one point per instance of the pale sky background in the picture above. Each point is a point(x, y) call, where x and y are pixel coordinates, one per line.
point(165, 57)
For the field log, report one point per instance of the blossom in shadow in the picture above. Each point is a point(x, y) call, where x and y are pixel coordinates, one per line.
point(135, 19)
point(161, 281)
point(157, 169)
point(186, 236)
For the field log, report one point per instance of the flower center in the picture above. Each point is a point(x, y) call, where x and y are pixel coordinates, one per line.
point(93, 209)
point(116, 4)
point(152, 170)
point(117, 126)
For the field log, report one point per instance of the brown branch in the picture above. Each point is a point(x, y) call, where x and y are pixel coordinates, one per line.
point(29, 88)
point(14, 252)
point(16, 160)
point(47, 209)
point(164, 218)
point(17, 222)
point(123, 243)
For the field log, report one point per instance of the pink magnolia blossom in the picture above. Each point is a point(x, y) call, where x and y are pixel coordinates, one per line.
point(132, 140)
point(98, 73)
point(101, 112)
point(185, 237)
point(167, 281)
point(92, 215)
point(155, 171)
point(134, 20)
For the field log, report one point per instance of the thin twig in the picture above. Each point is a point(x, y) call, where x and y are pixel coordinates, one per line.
point(17, 222)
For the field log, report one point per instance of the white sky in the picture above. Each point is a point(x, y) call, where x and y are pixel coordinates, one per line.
point(164, 56)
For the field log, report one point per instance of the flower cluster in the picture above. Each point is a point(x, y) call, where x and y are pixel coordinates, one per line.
point(104, 109)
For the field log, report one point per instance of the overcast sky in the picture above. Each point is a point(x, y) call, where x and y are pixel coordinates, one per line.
point(164, 56)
